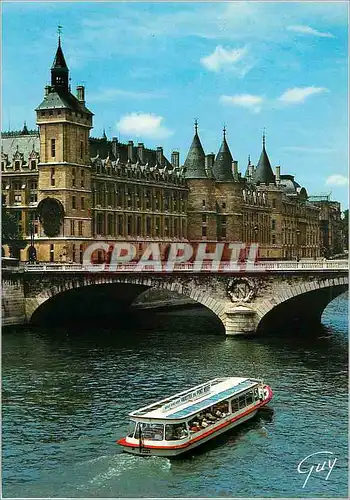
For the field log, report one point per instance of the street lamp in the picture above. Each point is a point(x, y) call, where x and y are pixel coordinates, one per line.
point(298, 234)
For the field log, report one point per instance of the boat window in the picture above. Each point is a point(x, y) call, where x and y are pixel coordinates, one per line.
point(249, 398)
point(256, 394)
point(241, 401)
point(234, 405)
point(131, 429)
point(175, 431)
point(151, 432)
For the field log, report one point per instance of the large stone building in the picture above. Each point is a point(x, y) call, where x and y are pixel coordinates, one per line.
point(68, 189)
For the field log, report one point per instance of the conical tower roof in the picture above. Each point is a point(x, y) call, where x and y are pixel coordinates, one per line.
point(263, 172)
point(195, 161)
point(59, 61)
point(222, 169)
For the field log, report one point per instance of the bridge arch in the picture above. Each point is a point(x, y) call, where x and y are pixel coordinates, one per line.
point(305, 301)
point(188, 290)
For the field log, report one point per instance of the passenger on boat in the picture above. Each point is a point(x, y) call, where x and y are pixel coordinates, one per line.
point(204, 423)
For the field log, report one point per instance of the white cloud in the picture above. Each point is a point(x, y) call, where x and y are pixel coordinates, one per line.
point(252, 102)
point(299, 94)
point(108, 95)
point(143, 125)
point(337, 180)
point(307, 30)
point(223, 58)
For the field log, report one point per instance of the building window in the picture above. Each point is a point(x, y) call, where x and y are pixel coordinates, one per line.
point(74, 203)
point(32, 164)
point(204, 231)
point(120, 225)
point(176, 227)
point(17, 165)
point(224, 206)
point(18, 199)
point(73, 253)
point(110, 224)
point(129, 225)
point(73, 177)
point(273, 239)
point(81, 149)
point(33, 198)
point(82, 182)
point(273, 225)
point(52, 253)
point(72, 228)
point(80, 228)
point(33, 185)
point(83, 203)
point(99, 228)
point(273, 203)
point(81, 253)
point(223, 232)
point(166, 227)
point(138, 227)
point(148, 226)
point(52, 176)
point(53, 148)
point(204, 218)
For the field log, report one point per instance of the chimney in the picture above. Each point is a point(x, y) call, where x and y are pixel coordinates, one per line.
point(131, 151)
point(175, 159)
point(209, 163)
point(47, 90)
point(235, 169)
point(278, 174)
point(141, 152)
point(159, 155)
point(115, 147)
point(251, 172)
point(81, 93)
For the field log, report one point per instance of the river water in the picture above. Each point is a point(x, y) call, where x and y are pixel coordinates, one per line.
point(67, 392)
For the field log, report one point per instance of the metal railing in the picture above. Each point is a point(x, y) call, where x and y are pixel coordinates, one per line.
point(213, 267)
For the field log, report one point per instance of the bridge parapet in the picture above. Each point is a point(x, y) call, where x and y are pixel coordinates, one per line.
point(223, 267)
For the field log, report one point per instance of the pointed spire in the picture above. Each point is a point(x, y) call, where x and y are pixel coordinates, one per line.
point(25, 129)
point(222, 169)
point(59, 69)
point(263, 172)
point(104, 134)
point(195, 161)
point(247, 169)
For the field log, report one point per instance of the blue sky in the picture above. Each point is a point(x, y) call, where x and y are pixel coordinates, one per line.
point(150, 69)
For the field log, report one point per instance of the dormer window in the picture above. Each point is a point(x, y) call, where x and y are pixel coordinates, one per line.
point(32, 164)
point(17, 165)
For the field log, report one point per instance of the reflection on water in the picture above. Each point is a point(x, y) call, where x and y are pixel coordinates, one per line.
point(67, 393)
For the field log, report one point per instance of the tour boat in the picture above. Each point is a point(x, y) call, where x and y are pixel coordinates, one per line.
point(186, 420)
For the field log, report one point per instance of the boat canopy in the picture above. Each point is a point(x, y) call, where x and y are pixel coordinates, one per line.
point(204, 395)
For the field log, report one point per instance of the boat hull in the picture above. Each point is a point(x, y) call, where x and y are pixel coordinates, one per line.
point(175, 451)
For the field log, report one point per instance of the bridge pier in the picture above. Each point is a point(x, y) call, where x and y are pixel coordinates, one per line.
point(240, 320)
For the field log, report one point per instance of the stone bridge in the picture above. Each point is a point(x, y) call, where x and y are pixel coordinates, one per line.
point(245, 302)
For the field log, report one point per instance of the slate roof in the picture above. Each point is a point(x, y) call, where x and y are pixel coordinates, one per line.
point(222, 169)
point(62, 100)
point(59, 61)
point(263, 172)
point(195, 161)
point(115, 149)
point(24, 144)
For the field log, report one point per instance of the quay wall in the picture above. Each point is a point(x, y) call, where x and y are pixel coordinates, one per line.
point(12, 299)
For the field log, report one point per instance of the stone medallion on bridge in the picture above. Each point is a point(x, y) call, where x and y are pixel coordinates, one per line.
point(241, 289)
